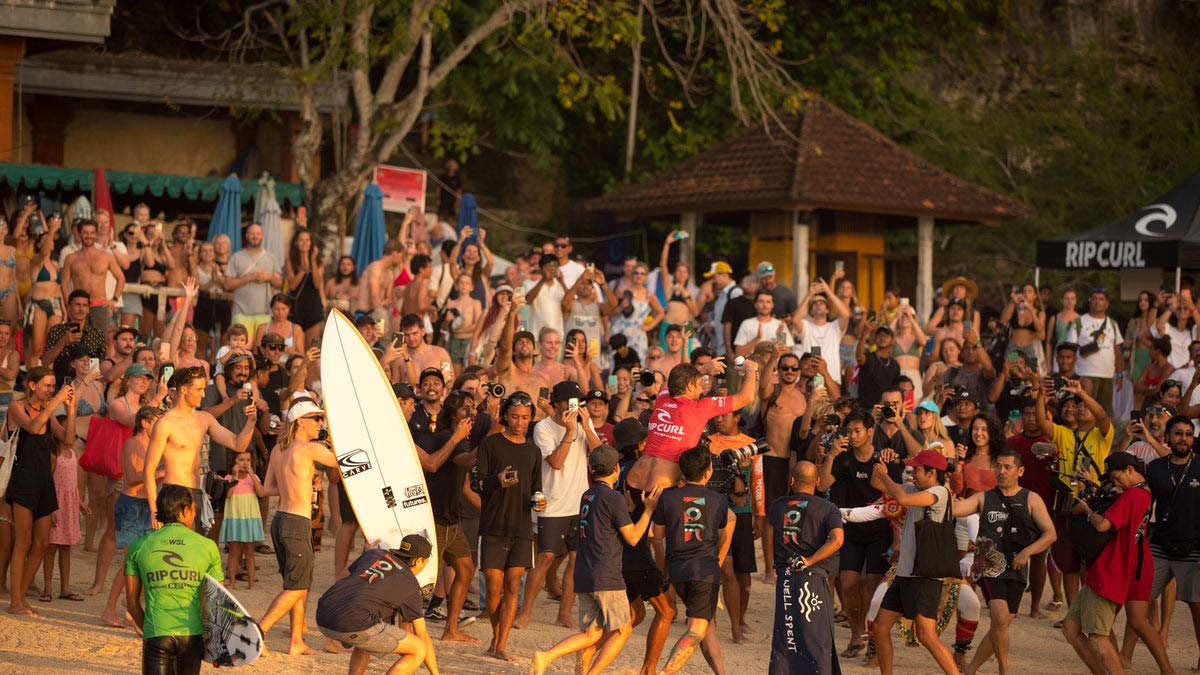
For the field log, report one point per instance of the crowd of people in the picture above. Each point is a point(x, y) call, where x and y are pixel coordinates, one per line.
point(624, 442)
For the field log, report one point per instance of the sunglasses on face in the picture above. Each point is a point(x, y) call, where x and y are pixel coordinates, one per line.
point(559, 244)
point(275, 346)
point(788, 369)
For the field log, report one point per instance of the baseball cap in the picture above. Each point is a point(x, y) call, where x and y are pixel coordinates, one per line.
point(596, 395)
point(931, 459)
point(237, 358)
point(884, 328)
point(965, 395)
point(603, 459)
point(503, 288)
point(719, 267)
point(364, 320)
point(403, 390)
point(564, 391)
point(1122, 460)
point(930, 406)
point(78, 350)
point(524, 335)
point(137, 370)
point(957, 301)
point(431, 372)
point(764, 269)
point(273, 340)
point(629, 432)
point(303, 407)
point(414, 546)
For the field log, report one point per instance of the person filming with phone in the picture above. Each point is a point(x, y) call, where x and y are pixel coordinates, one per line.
point(77, 329)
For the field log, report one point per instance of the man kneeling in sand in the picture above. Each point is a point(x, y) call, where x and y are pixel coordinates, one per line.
point(290, 476)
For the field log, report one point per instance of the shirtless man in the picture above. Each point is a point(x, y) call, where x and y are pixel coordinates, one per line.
point(132, 510)
point(178, 435)
point(548, 366)
point(87, 269)
point(674, 355)
point(417, 355)
point(415, 298)
point(290, 476)
point(784, 403)
point(375, 285)
point(514, 361)
point(679, 418)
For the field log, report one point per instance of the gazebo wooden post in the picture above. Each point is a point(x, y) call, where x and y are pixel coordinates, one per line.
point(924, 267)
point(688, 222)
point(800, 222)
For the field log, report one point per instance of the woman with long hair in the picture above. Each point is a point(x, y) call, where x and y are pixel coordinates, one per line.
point(638, 312)
point(975, 470)
point(10, 299)
point(681, 298)
point(908, 345)
point(1062, 322)
point(844, 290)
point(342, 288)
point(305, 275)
point(1156, 373)
point(1138, 332)
point(476, 260)
point(89, 400)
point(131, 302)
point(45, 308)
point(207, 320)
point(31, 493)
point(1026, 322)
point(951, 355)
point(931, 432)
point(156, 261)
point(282, 325)
point(487, 331)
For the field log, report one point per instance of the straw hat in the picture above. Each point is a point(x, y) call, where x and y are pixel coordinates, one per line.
point(972, 289)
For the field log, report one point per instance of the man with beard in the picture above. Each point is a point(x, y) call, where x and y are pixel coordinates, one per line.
point(821, 322)
point(253, 276)
point(77, 328)
point(231, 413)
point(420, 356)
point(125, 341)
point(784, 404)
point(87, 269)
point(1174, 483)
point(1146, 437)
point(1100, 352)
point(811, 366)
point(976, 371)
point(514, 357)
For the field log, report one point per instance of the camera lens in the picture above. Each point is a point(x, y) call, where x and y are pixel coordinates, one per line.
point(646, 378)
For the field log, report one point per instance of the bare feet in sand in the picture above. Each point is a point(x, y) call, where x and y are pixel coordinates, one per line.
point(565, 622)
point(497, 654)
point(301, 650)
point(334, 647)
point(22, 610)
point(739, 638)
point(449, 635)
point(521, 621)
point(113, 620)
point(94, 590)
point(538, 665)
point(769, 577)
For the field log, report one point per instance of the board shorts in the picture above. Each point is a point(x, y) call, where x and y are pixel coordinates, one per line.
point(458, 348)
point(699, 597)
point(864, 556)
point(292, 535)
point(644, 584)
point(741, 550)
point(1094, 613)
point(345, 509)
point(607, 610)
point(100, 316)
point(557, 534)
point(1187, 587)
point(913, 597)
point(452, 542)
point(1008, 590)
point(501, 553)
point(132, 518)
point(380, 639)
point(776, 478)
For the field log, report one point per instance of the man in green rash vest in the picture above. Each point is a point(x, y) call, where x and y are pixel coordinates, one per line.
point(170, 564)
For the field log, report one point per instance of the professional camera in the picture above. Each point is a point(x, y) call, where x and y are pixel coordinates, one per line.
point(646, 378)
point(496, 390)
point(725, 467)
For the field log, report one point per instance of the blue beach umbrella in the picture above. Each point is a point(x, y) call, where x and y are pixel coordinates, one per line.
point(227, 216)
point(468, 217)
point(369, 229)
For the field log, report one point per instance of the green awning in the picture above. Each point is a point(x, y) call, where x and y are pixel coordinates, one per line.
point(37, 176)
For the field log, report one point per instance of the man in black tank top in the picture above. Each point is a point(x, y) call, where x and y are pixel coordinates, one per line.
point(1014, 526)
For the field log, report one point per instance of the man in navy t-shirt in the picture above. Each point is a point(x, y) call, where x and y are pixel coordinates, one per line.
point(604, 616)
point(697, 541)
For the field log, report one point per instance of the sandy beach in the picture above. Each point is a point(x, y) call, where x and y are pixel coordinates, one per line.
point(68, 637)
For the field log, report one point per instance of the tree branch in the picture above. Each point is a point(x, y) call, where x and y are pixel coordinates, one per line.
point(386, 92)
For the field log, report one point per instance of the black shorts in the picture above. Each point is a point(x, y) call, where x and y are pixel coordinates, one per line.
point(865, 557)
point(345, 510)
point(501, 553)
point(197, 502)
point(1065, 557)
point(699, 597)
point(557, 534)
point(1008, 590)
point(644, 584)
point(741, 549)
point(775, 478)
point(292, 536)
point(913, 597)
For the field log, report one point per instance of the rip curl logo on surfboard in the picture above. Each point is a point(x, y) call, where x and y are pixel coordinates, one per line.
point(354, 462)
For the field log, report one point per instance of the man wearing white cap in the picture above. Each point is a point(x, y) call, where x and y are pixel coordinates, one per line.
point(821, 321)
point(290, 476)
point(785, 299)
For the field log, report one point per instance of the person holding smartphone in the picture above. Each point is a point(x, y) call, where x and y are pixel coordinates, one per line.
point(77, 329)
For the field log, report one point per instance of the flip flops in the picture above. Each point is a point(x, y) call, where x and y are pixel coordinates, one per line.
point(73, 597)
point(45, 597)
point(854, 649)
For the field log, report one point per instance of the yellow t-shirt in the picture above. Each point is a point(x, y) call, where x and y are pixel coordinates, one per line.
point(1098, 446)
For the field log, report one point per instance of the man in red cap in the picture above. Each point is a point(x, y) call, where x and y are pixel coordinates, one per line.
point(914, 597)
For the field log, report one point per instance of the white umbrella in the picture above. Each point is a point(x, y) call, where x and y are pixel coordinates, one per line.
point(266, 213)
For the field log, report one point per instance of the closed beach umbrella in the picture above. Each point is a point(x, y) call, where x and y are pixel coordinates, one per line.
point(266, 214)
point(369, 229)
point(468, 217)
point(227, 216)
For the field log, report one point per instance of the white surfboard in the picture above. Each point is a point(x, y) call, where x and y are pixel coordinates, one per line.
point(381, 471)
point(231, 636)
